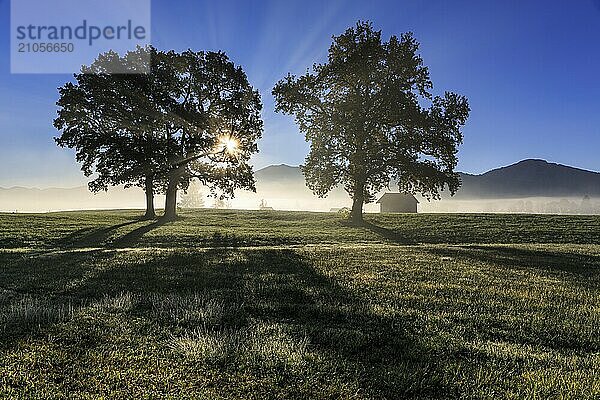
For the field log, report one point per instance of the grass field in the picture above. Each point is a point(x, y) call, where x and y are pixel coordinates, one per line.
point(235, 305)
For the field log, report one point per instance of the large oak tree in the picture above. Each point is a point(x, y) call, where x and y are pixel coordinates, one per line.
point(213, 126)
point(114, 122)
point(366, 116)
point(193, 116)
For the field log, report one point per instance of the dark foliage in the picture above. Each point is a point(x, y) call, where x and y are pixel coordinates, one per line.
point(362, 114)
point(160, 130)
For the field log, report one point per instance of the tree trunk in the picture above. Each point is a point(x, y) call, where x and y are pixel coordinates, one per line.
point(356, 215)
point(358, 199)
point(150, 213)
point(171, 197)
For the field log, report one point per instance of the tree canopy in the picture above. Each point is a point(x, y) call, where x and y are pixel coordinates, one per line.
point(113, 121)
point(215, 122)
point(362, 113)
point(194, 116)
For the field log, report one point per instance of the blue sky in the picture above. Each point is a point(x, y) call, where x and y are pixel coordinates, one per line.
point(529, 68)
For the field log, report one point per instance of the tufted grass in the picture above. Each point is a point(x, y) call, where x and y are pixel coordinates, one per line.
point(228, 305)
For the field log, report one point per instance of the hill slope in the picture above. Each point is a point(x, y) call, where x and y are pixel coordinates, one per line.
point(531, 178)
point(527, 178)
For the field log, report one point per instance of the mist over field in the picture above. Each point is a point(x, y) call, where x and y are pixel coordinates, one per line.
point(27, 200)
point(529, 187)
point(527, 205)
point(34, 200)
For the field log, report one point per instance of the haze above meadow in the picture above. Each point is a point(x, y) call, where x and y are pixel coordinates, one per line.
point(531, 186)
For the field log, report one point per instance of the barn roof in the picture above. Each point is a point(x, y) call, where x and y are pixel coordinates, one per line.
point(397, 197)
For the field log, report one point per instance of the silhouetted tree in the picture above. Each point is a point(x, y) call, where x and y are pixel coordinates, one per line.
point(194, 116)
point(362, 114)
point(214, 126)
point(114, 122)
point(192, 197)
point(221, 203)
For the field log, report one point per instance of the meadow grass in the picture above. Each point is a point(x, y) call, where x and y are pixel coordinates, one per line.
point(228, 304)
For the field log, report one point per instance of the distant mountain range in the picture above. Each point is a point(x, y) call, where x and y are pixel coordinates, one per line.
point(531, 178)
point(527, 178)
point(283, 187)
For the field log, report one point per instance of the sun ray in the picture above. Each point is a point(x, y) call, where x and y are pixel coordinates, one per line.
point(229, 145)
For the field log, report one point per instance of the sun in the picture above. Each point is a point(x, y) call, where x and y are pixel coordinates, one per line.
point(229, 145)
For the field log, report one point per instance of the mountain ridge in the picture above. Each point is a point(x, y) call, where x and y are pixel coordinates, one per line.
point(526, 178)
point(531, 178)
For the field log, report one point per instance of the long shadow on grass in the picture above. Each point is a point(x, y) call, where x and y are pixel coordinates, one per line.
point(372, 351)
point(135, 237)
point(35, 291)
point(583, 269)
point(351, 347)
point(581, 272)
point(132, 238)
point(91, 237)
point(389, 234)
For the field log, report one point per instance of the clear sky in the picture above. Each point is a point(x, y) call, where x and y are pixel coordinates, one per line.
point(531, 71)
